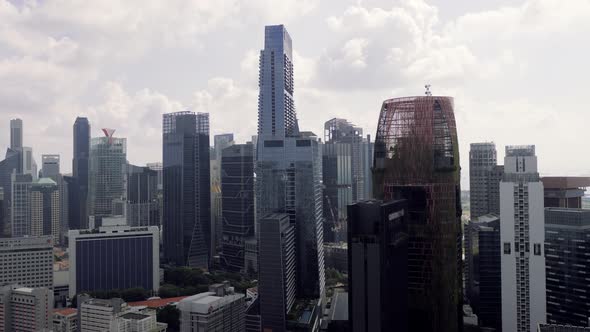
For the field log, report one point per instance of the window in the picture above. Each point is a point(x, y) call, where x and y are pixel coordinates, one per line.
point(506, 248)
point(537, 249)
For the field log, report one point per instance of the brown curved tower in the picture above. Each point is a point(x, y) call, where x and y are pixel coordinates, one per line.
point(417, 158)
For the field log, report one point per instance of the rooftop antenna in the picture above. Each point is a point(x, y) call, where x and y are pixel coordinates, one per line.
point(428, 92)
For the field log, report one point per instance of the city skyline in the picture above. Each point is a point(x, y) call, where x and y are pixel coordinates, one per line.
point(490, 87)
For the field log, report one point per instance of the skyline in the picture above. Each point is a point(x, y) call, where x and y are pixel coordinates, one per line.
point(61, 67)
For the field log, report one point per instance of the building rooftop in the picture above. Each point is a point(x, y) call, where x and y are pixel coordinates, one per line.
point(134, 316)
point(204, 303)
point(565, 182)
point(157, 303)
point(66, 311)
point(24, 290)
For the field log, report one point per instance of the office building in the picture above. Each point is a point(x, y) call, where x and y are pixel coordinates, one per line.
point(114, 257)
point(219, 309)
point(108, 157)
point(288, 162)
point(16, 134)
point(25, 309)
point(237, 190)
point(482, 160)
point(483, 284)
point(29, 165)
point(98, 315)
point(522, 236)
point(564, 191)
point(142, 201)
point(12, 163)
point(220, 142)
point(251, 256)
point(27, 262)
point(276, 277)
point(65, 320)
point(78, 185)
point(45, 209)
point(187, 193)
point(377, 266)
point(21, 204)
point(336, 256)
point(417, 158)
point(50, 166)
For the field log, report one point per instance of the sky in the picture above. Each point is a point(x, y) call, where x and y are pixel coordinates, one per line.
point(518, 70)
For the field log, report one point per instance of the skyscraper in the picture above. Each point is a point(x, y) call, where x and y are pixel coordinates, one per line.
point(187, 193)
point(78, 188)
point(277, 274)
point(417, 159)
point(21, 204)
point(108, 156)
point(288, 162)
point(522, 235)
point(143, 206)
point(220, 142)
point(482, 160)
point(16, 134)
point(11, 164)
point(45, 209)
point(237, 189)
point(377, 266)
point(50, 166)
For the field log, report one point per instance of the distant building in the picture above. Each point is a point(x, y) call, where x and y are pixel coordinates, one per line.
point(29, 165)
point(27, 261)
point(187, 192)
point(65, 320)
point(78, 186)
point(50, 166)
point(483, 283)
point(561, 328)
point(251, 255)
point(377, 266)
point(142, 202)
point(336, 256)
point(16, 134)
point(220, 309)
point(45, 209)
point(25, 309)
point(116, 257)
point(12, 163)
point(482, 161)
point(276, 276)
point(220, 142)
point(21, 204)
point(564, 191)
point(237, 192)
point(522, 236)
point(108, 156)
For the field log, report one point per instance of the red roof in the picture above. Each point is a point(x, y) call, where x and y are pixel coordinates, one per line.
point(157, 303)
point(65, 311)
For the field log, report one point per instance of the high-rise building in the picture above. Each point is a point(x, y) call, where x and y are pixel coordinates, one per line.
point(27, 261)
point(11, 164)
point(114, 257)
point(220, 142)
point(237, 189)
point(219, 309)
point(16, 134)
point(78, 187)
point(288, 162)
point(142, 201)
point(50, 166)
point(187, 193)
point(25, 309)
point(377, 266)
point(567, 234)
point(276, 276)
point(21, 204)
point(108, 157)
point(483, 284)
point(45, 209)
point(482, 160)
point(417, 159)
point(522, 235)
point(28, 162)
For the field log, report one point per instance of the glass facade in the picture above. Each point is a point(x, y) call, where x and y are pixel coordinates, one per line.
point(143, 205)
point(237, 189)
point(78, 213)
point(186, 189)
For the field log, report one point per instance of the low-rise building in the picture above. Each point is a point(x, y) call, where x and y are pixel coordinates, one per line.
point(27, 261)
point(65, 320)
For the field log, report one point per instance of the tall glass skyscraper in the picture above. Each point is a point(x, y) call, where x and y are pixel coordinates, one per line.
point(108, 156)
point(78, 186)
point(417, 158)
point(187, 189)
point(288, 163)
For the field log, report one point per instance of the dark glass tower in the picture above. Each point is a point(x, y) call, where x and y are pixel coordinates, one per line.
point(417, 158)
point(187, 195)
point(377, 266)
point(237, 189)
point(482, 161)
point(78, 213)
point(143, 207)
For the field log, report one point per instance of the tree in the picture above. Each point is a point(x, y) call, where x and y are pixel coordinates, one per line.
point(171, 316)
